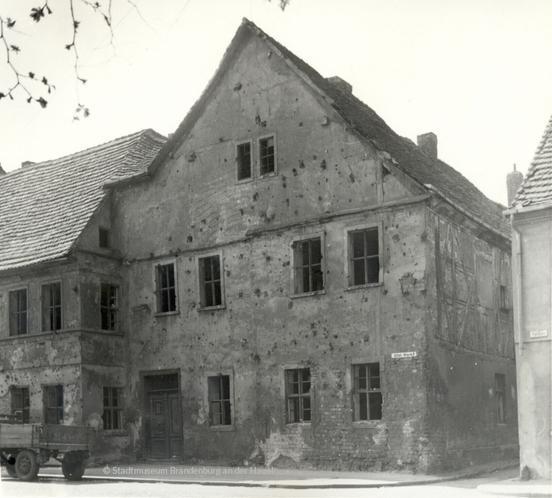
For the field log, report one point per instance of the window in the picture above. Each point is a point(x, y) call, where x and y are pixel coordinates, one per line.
point(364, 257)
point(112, 408)
point(51, 306)
point(166, 288)
point(220, 407)
point(18, 312)
point(53, 404)
point(503, 296)
point(104, 238)
point(267, 155)
point(210, 281)
point(244, 160)
point(367, 399)
point(307, 258)
point(109, 306)
point(298, 400)
point(500, 398)
point(20, 403)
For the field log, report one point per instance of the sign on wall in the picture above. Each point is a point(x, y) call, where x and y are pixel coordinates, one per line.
point(405, 354)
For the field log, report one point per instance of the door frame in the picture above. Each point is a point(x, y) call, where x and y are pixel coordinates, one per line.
point(144, 402)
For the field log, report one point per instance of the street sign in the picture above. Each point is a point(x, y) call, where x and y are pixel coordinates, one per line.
point(406, 354)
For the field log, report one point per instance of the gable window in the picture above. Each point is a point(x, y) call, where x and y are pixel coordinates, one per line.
point(109, 306)
point(20, 403)
point(500, 398)
point(364, 260)
point(53, 404)
point(267, 155)
point(367, 399)
point(298, 397)
point(307, 260)
point(104, 238)
point(18, 312)
point(51, 306)
point(244, 160)
point(166, 288)
point(220, 406)
point(210, 281)
point(112, 408)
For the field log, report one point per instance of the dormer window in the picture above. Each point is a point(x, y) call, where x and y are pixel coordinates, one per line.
point(104, 238)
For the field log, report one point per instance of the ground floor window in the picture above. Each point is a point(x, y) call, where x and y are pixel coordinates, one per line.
point(220, 407)
point(298, 395)
point(500, 398)
point(112, 408)
point(367, 398)
point(53, 404)
point(20, 403)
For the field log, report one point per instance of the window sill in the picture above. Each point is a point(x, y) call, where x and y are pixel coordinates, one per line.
point(353, 288)
point(298, 424)
point(367, 424)
point(212, 308)
point(308, 294)
point(267, 175)
point(115, 432)
point(161, 314)
point(244, 180)
point(222, 428)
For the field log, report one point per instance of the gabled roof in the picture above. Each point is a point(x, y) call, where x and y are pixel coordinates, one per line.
point(431, 174)
point(45, 207)
point(536, 189)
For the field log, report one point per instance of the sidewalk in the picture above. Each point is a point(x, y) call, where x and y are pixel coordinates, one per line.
point(268, 478)
point(516, 487)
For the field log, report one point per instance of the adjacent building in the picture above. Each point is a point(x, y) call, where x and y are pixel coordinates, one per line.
point(287, 282)
point(531, 217)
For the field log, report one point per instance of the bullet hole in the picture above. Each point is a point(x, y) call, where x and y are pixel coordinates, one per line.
point(284, 185)
point(257, 292)
point(423, 237)
point(268, 258)
point(296, 212)
point(319, 197)
point(301, 123)
point(240, 294)
point(192, 157)
point(396, 237)
point(285, 263)
point(314, 332)
point(240, 256)
point(169, 238)
point(294, 171)
point(228, 273)
point(331, 346)
point(314, 156)
point(256, 358)
point(301, 164)
point(190, 239)
point(237, 87)
point(287, 202)
point(221, 139)
point(225, 160)
point(323, 164)
point(255, 196)
point(241, 211)
point(352, 178)
point(204, 221)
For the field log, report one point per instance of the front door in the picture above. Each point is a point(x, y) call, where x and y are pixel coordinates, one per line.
point(163, 416)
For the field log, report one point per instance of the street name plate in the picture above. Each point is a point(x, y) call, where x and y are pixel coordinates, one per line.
point(406, 354)
point(534, 334)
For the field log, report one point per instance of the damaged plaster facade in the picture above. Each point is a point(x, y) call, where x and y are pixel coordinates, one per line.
point(433, 320)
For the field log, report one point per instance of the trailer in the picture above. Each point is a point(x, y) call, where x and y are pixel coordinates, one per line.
point(25, 447)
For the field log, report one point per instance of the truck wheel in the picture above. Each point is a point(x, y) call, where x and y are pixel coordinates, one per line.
point(73, 469)
point(26, 465)
point(10, 467)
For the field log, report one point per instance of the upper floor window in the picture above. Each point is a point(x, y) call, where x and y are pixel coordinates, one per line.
point(165, 288)
point(109, 306)
point(210, 281)
point(20, 403)
point(104, 238)
point(364, 259)
point(267, 155)
point(53, 404)
point(220, 406)
point(244, 160)
point(18, 312)
point(51, 306)
point(307, 262)
point(112, 408)
point(298, 397)
point(367, 399)
point(500, 398)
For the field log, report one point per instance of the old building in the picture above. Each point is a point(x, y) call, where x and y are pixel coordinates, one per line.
point(531, 218)
point(296, 283)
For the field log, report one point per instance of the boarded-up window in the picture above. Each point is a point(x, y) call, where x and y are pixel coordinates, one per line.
point(267, 155)
point(364, 261)
point(298, 395)
point(210, 281)
point(18, 312)
point(51, 306)
point(112, 408)
point(367, 398)
point(20, 403)
point(500, 398)
point(244, 160)
point(166, 288)
point(109, 306)
point(220, 406)
point(53, 404)
point(307, 259)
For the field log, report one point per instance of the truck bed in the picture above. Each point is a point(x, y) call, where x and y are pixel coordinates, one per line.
point(47, 436)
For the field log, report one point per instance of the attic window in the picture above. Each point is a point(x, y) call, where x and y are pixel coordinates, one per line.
point(103, 238)
point(244, 160)
point(267, 155)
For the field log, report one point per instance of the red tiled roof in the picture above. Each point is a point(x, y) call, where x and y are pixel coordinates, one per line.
point(536, 188)
point(45, 207)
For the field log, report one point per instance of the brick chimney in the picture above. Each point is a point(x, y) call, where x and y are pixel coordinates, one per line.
point(427, 142)
point(340, 83)
point(514, 179)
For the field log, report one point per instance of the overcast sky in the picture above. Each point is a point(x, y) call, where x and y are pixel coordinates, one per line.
point(476, 72)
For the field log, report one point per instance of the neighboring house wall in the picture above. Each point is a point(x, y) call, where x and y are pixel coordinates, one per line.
point(532, 275)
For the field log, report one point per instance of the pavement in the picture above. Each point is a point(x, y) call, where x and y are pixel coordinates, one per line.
point(517, 487)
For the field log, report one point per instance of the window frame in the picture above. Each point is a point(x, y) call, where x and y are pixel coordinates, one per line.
point(355, 405)
point(207, 403)
point(499, 401)
point(116, 410)
point(107, 233)
point(201, 283)
point(157, 293)
point(46, 407)
point(293, 266)
point(109, 309)
point(251, 160)
point(287, 395)
point(10, 332)
point(259, 159)
point(61, 305)
point(26, 406)
point(348, 272)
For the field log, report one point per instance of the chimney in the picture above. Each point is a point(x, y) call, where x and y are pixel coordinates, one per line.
point(2, 172)
point(427, 142)
point(514, 179)
point(340, 83)
point(26, 164)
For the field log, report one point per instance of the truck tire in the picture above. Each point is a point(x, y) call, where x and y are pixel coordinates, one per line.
point(73, 467)
point(10, 468)
point(26, 465)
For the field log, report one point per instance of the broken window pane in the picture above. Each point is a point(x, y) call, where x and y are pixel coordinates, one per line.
point(244, 161)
